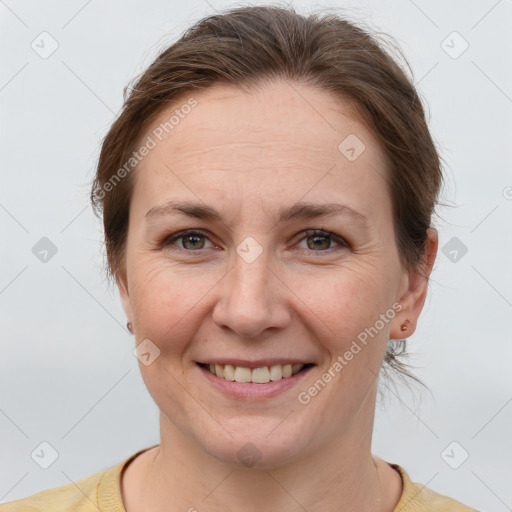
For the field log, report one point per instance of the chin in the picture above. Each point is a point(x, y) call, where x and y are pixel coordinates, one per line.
point(256, 448)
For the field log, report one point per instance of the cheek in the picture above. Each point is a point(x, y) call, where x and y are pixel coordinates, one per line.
point(164, 300)
point(347, 306)
point(346, 298)
point(171, 301)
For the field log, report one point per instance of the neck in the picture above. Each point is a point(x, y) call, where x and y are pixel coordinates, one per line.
point(339, 476)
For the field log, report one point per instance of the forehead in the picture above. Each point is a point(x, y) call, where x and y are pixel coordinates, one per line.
point(276, 112)
point(277, 133)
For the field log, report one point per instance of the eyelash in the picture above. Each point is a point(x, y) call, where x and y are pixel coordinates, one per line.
point(168, 240)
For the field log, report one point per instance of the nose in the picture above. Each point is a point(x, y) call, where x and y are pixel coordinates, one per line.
point(252, 298)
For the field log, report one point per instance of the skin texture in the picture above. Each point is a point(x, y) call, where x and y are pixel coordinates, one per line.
point(248, 155)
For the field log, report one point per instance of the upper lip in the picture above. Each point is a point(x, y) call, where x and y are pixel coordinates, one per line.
point(257, 363)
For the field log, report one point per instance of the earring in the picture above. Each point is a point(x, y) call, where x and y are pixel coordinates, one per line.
point(403, 327)
point(129, 326)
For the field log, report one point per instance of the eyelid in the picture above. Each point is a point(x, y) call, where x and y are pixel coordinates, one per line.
point(322, 232)
point(168, 239)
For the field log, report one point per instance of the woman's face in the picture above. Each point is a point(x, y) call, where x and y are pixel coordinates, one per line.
point(254, 285)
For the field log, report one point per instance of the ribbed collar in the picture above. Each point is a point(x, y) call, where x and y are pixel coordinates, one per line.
point(109, 488)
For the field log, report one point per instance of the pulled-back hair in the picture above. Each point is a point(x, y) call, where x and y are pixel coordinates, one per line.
point(247, 45)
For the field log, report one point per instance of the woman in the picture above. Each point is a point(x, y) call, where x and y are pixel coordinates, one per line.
point(267, 195)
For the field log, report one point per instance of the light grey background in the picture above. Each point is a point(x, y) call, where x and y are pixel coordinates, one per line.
point(68, 373)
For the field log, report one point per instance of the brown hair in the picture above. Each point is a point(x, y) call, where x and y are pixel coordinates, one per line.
point(246, 45)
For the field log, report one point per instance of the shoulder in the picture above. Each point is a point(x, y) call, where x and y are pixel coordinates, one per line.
point(418, 498)
point(79, 496)
point(100, 491)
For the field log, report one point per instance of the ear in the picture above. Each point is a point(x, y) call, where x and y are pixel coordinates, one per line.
point(122, 284)
point(413, 290)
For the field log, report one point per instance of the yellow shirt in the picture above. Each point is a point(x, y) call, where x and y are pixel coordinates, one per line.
point(102, 491)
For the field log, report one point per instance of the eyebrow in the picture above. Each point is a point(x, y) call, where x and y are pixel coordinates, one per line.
point(301, 210)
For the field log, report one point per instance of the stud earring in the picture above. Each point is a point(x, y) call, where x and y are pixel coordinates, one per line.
point(129, 326)
point(403, 327)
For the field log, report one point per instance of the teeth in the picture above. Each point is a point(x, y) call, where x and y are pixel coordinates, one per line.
point(242, 374)
point(219, 370)
point(261, 375)
point(229, 372)
point(276, 372)
point(296, 368)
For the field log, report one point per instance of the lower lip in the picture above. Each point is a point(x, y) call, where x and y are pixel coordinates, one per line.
point(251, 389)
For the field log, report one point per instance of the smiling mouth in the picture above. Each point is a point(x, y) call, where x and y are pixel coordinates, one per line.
point(261, 375)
